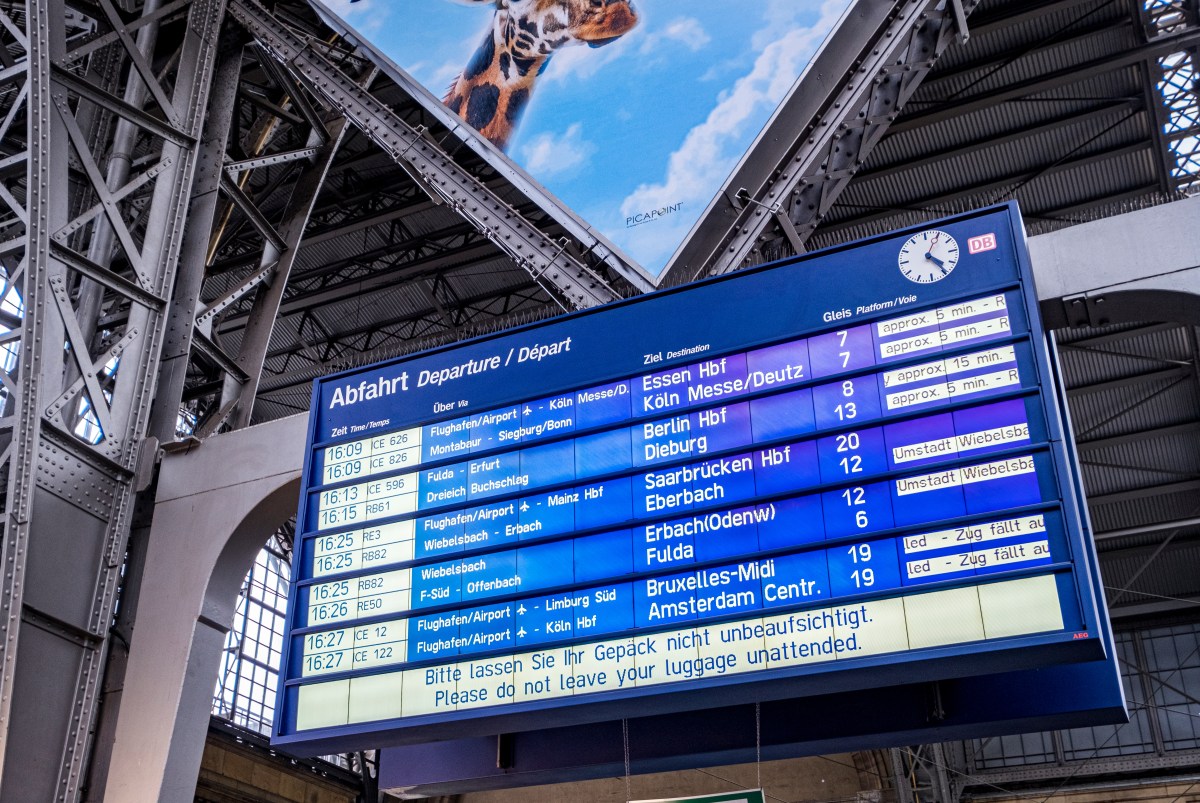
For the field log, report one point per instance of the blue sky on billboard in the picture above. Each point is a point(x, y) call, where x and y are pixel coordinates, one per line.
point(637, 135)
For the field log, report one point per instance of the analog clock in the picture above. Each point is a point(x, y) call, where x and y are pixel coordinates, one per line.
point(928, 257)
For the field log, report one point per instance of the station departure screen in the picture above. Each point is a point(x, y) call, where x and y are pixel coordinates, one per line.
point(823, 469)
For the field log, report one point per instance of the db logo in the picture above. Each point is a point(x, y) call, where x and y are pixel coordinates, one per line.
point(984, 242)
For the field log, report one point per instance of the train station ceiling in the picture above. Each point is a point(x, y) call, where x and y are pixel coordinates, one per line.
point(1079, 109)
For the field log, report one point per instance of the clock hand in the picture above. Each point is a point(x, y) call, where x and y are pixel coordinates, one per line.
point(929, 255)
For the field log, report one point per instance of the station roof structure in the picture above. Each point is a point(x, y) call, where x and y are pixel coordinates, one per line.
point(421, 235)
point(209, 203)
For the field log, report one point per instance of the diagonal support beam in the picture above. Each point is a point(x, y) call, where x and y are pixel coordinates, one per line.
point(206, 315)
point(270, 161)
point(118, 106)
point(138, 61)
point(528, 246)
point(873, 66)
point(299, 99)
point(243, 202)
point(257, 337)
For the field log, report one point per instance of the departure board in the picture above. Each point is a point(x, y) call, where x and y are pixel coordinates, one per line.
point(773, 483)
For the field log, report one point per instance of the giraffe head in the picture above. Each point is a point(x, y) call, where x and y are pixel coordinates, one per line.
point(551, 24)
point(493, 90)
point(543, 26)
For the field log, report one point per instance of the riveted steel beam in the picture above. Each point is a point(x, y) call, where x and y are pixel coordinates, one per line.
point(546, 260)
point(229, 400)
point(869, 70)
point(100, 230)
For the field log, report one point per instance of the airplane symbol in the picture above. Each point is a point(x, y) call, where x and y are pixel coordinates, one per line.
point(527, 410)
point(521, 611)
point(524, 506)
point(521, 633)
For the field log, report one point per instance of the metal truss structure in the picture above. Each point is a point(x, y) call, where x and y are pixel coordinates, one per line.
point(920, 774)
point(1160, 744)
point(99, 152)
point(774, 202)
point(1076, 108)
point(162, 164)
point(1176, 77)
point(207, 203)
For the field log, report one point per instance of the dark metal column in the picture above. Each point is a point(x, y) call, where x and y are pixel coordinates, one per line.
point(100, 245)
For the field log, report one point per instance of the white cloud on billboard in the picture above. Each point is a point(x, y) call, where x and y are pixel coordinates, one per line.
point(583, 63)
point(343, 7)
point(552, 155)
point(370, 16)
point(710, 150)
point(785, 15)
point(441, 78)
point(686, 31)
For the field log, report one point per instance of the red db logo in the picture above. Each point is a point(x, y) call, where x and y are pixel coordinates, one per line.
point(984, 242)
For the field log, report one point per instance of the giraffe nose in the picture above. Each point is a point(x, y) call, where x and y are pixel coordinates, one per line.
point(611, 19)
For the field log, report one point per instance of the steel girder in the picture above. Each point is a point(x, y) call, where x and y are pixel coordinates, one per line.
point(921, 774)
point(272, 192)
point(1158, 696)
point(100, 116)
point(251, 147)
point(547, 261)
point(240, 386)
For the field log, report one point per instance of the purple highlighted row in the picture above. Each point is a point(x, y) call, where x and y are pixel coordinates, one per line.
point(716, 380)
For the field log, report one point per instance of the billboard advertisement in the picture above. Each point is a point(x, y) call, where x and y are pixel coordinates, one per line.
point(632, 112)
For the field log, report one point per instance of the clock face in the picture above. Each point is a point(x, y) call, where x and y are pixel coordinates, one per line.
point(928, 257)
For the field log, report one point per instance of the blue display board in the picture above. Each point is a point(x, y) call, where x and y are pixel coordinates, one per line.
point(841, 471)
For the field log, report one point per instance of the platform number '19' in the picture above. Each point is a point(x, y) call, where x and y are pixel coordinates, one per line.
point(864, 577)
